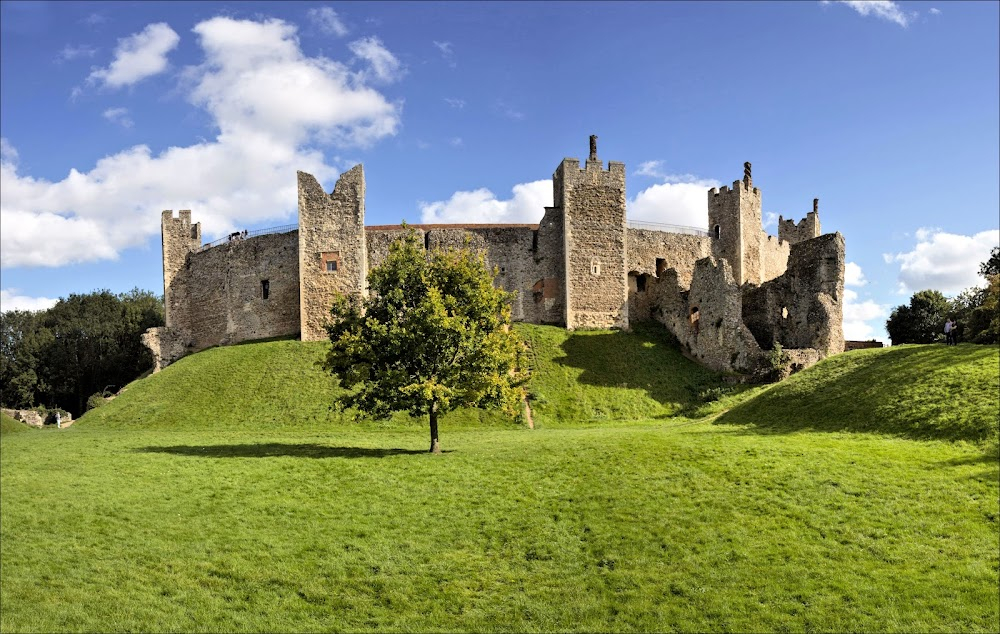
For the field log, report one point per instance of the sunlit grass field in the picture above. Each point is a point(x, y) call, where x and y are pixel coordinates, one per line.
point(250, 513)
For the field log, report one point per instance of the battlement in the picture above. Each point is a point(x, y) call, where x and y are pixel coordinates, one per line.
point(806, 229)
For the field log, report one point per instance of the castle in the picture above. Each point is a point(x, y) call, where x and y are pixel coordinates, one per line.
point(728, 295)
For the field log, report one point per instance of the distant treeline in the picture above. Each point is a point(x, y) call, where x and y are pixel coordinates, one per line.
point(84, 345)
point(976, 311)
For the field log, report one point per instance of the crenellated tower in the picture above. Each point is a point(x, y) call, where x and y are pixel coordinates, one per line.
point(594, 241)
point(806, 229)
point(333, 257)
point(180, 237)
point(734, 221)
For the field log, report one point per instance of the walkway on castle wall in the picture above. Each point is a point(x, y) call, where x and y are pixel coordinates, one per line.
point(631, 224)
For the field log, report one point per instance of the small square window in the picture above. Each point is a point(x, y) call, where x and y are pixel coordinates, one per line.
point(331, 261)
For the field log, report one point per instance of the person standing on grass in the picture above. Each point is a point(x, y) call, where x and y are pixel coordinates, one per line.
point(949, 332)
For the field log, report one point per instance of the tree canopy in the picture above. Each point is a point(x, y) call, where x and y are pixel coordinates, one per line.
point(921, 321)
point(83, 345)
point(432, 335)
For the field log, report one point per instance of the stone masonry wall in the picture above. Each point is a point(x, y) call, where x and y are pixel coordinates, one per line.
point(331, 229)
point(707, 318)
point(773, 257)
point(653, 252)
point(217, 298)
point(807, 229)
point(513, 250)
point(179, 238)
point(804, 307)
point(595, 244)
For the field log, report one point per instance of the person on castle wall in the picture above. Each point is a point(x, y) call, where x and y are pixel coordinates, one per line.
point(949, 332)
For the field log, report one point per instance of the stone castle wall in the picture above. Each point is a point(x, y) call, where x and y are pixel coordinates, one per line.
point(728, 296)
point(218, 296)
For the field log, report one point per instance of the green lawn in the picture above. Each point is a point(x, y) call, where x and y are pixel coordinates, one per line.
point(173, 509)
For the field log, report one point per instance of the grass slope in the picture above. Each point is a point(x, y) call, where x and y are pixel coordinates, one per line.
point(278, 385)
point(918, 391)
point(648, 528)
point(9, 425)
point(222, 494)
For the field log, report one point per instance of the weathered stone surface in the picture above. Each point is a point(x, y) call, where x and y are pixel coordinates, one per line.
point(593, 206)
point(167, 344)
point(331, 228)
point(217, 296)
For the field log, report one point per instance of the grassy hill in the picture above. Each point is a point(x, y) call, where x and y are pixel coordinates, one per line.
point(596, 376)
point(9, 425)
point(918, 391)
point(222, 494)
point(591, 378)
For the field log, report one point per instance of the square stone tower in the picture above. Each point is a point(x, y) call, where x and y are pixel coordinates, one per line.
point(594, 241)
point(180, 237)
point(734, 220)
point(333, 257)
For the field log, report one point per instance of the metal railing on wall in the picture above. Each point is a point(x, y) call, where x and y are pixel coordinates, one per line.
point(237, 236)
point(660, 226)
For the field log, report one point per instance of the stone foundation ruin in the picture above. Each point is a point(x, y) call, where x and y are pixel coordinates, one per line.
point(729, 295)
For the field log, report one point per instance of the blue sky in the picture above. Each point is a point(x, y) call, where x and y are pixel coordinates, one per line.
point(888, 112)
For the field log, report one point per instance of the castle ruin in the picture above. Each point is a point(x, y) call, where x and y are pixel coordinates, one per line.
point(729, 295)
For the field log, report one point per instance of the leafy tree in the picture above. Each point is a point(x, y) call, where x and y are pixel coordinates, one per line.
point(977, 308)
point(82, 345)
point(991, 267)
point(921, 321)
point(433, 335)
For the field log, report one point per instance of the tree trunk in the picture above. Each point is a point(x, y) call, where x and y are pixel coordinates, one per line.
point(435, 446)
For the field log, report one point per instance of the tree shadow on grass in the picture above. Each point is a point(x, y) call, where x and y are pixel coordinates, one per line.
point(278, 450)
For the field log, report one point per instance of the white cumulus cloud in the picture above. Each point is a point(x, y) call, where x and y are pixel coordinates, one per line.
point(11, 299)
point(681, 199)
point(942, 261)
point(527, 205)
point(274, 109)
point(138, 56)
point(853, 275)
point(328, 21)
point(882, 9)
point(859, 314)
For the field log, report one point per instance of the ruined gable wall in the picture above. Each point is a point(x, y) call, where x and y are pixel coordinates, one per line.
point(331, 228)
point(595, 244)
point(707, 318)
point(217, 297)
point(804, 307)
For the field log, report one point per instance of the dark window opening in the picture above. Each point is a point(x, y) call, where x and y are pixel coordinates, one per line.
point(661, 266)
point(265, 288)
point(718, 232)
point(331, 265)
point(640, 284)
point(427, 241)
